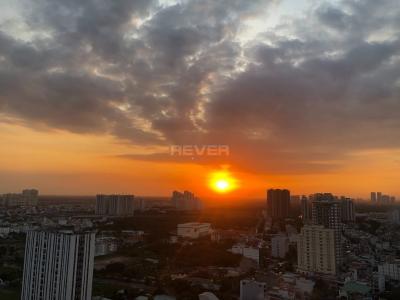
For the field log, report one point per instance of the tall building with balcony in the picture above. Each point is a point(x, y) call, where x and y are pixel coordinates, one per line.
point(278, 203)
point(316, 250)
point(115, 205)
point(58, 265)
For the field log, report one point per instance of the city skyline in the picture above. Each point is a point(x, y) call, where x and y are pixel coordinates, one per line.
point(290, 246)
point(199, 149)
point(260, 197)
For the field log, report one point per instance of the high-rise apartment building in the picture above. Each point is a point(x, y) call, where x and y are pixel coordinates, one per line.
point(382, 199)
point(278, 203)
point(58, 265)
point(28, 197)
point(306, 210)
point(185, 201)
point(327, 211)
point(379, 197)
point(385, 199)
point(139, 204)
point(373, 197)
point(279, 245)
point(115, 205)
point(295, 200)
point(316, 250)
point(12, 200)
point(348, 213)
point(390, 270)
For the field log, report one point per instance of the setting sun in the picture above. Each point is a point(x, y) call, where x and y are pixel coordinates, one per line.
point(222, 182)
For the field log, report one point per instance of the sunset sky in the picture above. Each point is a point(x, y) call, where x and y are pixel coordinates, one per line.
point(306, 94)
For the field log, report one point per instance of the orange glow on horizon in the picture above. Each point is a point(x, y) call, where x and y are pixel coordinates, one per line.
point(62, 163)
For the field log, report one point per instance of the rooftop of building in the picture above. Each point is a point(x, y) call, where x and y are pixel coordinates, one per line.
point(354, 287)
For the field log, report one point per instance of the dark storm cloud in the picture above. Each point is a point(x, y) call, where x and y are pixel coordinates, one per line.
point(338, 100)
point(303, 96)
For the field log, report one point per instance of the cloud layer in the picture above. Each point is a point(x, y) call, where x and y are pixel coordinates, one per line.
point(297, 96)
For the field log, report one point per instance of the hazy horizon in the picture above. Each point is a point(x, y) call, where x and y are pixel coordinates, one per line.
point(304, 94)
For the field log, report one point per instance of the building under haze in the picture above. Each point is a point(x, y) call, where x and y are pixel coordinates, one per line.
point(378, 197)
point(278, 203)
point(347, 213)
point(279, 245)
point(373, 198)
point(115, 205)
point(382, 199)
point(139, 204)
point(295, 200)
point(58, 265)
point(306, 210)
point(327, 211)
point(385, 199)
point(185, 201)
point(28, 197)
point(316, 250)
